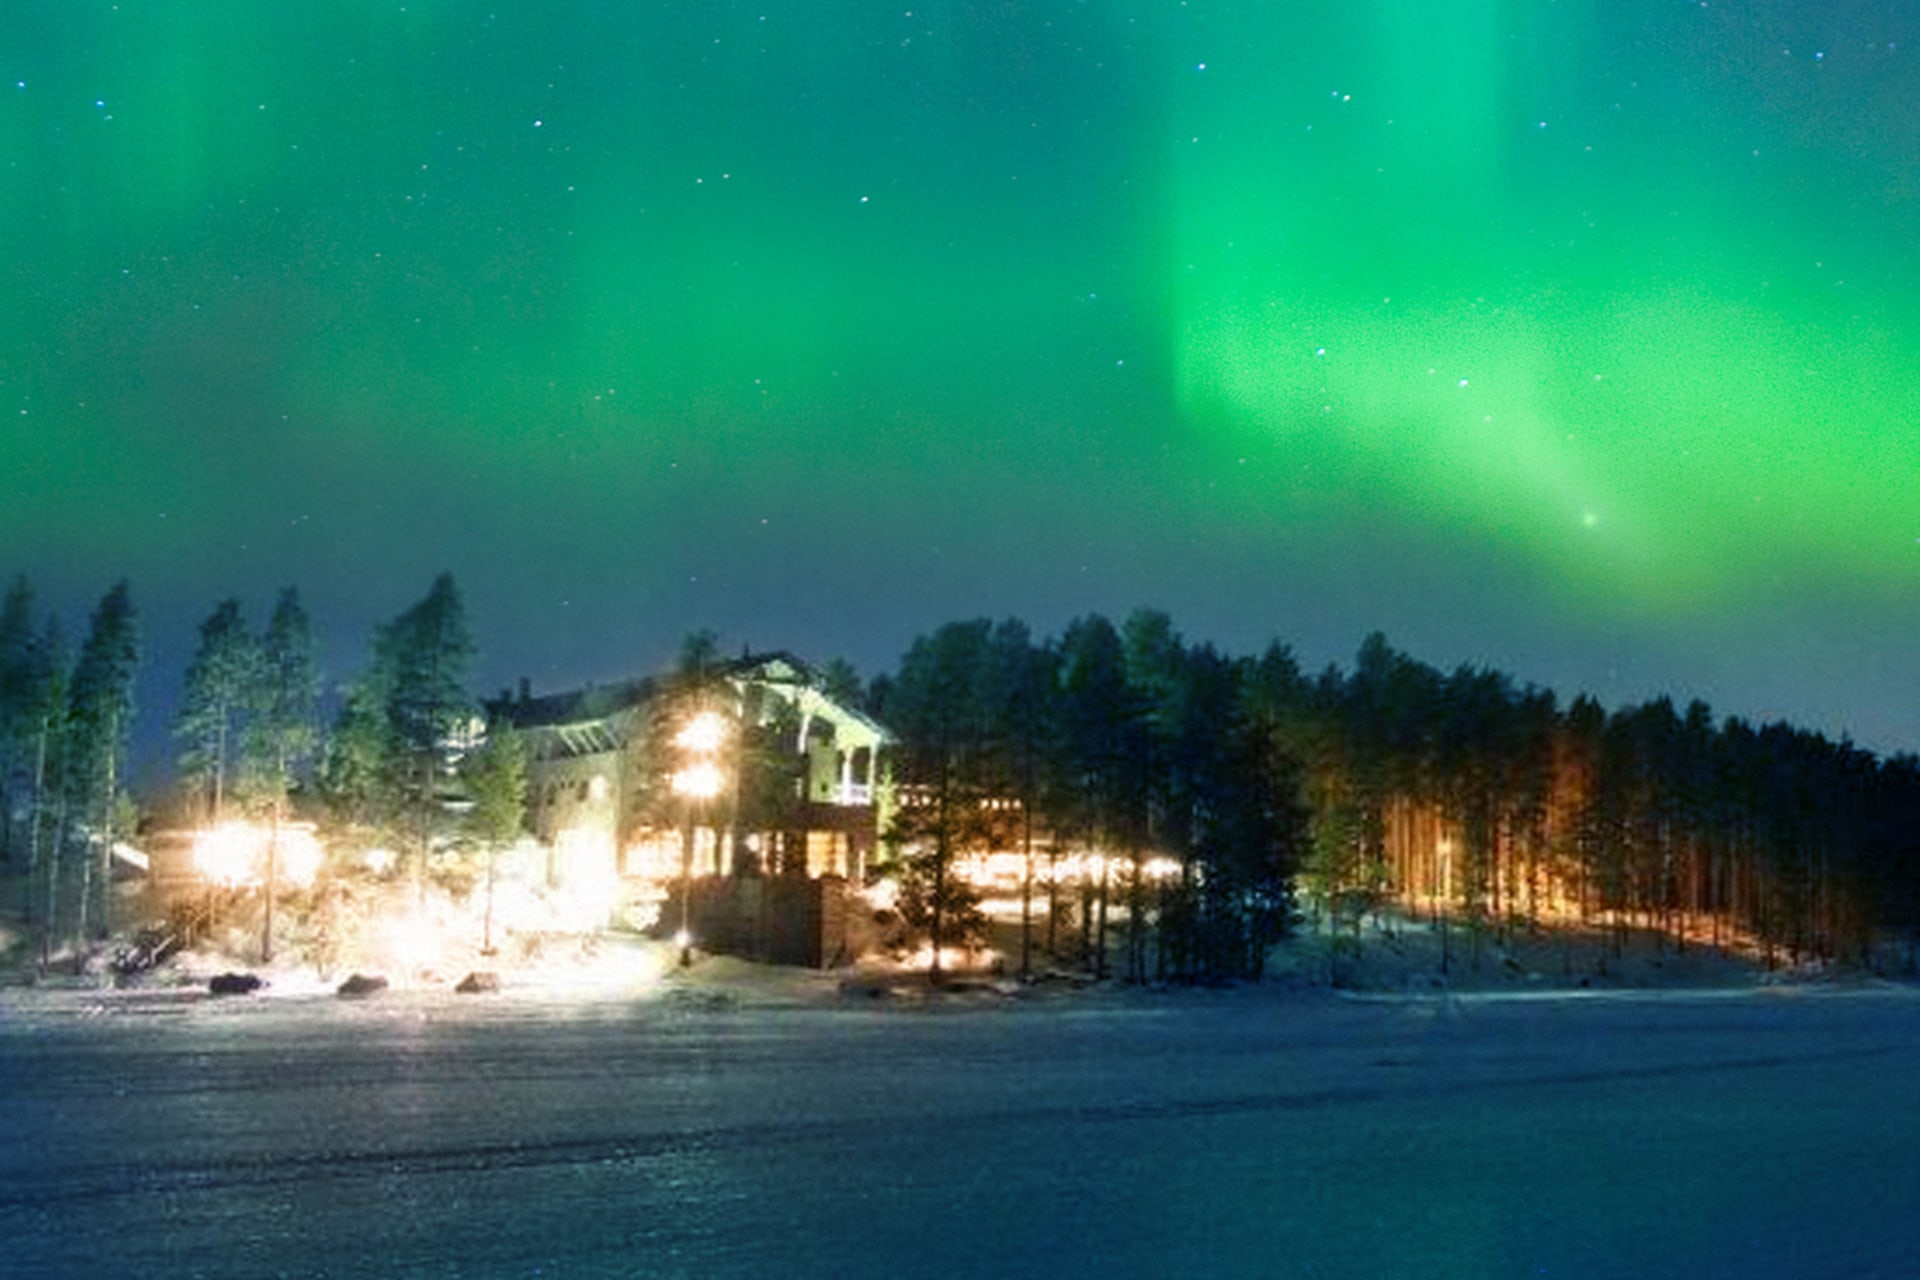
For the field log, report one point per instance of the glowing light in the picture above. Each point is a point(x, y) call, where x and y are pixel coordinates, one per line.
point(411, 944)
point(654, 857)
point(1013, 908)
point(298, 856)
point(234, 854)
point(587, 881)
point(701, 781)
point(884, 895)
point(952, 958)
point(702, 734)
point(1160, 868)
point(226, 855)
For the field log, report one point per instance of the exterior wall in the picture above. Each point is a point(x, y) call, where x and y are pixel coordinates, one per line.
point(596, 802)
point(171, 876)
point(576, 793)
point(777, 919)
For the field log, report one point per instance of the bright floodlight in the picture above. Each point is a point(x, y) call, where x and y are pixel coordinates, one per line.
point(299, 856)
point(228, 854)
point(702, 781)
point(703, 734)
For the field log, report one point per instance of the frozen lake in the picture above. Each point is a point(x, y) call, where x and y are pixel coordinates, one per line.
point(1241, 1134)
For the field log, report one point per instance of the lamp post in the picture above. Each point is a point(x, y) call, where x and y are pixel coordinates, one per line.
point(699, 779)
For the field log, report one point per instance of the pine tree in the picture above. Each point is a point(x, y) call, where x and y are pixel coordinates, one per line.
point(495, 779)
point(281, 728)
point(1155, 675)
point(101, 708)
point(1100, 720)
point(359, 773)
point(20, 662)
point(218, 693)
point(45, 712)
point(421, 658)
point(938, 707)
point(1026, 748)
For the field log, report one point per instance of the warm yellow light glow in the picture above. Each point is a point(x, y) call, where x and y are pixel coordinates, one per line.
point(411, 946)
point(1079, 868)
point(234, 854)
point(300, 856)
point(226, 855)
point(1003, 870)
point(883, 895)
point(654, 855)
point(953, 958)
point(1014, 908)
point(701, 781)
point(703, 734)
point(587, 881)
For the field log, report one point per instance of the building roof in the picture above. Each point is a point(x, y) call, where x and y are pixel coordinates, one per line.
point(578, 716)
point(571, 706)
point(802, 686)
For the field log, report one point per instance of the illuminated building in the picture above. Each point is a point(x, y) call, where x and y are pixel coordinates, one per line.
point(754, 776)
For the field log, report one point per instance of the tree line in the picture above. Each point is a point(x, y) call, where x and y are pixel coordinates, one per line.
point(65, 720)
point(253, 742)
point(1204, 798)
point(1124, 748)
point(1499, 807)
point(1485, 804)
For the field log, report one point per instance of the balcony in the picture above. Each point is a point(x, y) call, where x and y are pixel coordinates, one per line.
point(852, 794)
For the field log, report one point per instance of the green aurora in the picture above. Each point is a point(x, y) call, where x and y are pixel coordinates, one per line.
point(1574, 338)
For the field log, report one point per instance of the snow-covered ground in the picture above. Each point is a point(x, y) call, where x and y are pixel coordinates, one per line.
point(709, 1128)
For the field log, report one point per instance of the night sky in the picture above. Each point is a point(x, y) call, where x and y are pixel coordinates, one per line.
point(1577, 338)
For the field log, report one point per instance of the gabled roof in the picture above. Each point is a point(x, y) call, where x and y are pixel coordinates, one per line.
point(800, 684)
point(593, 703)
point(582, 738)
point(776, 666)
point(577, 719)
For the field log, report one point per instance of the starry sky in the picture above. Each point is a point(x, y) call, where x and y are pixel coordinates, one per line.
point(1576, 338)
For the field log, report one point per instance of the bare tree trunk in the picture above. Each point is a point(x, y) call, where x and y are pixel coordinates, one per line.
point(220, 767)
point(486, 921)
point(943, 853)
point(273, 870)
point(1053, 899)
point(56, 868)
point(106, 830)
point(1026, 895)
point(1135, 922)
point(1100, 925)
point(1086, 920)
point(35, 816)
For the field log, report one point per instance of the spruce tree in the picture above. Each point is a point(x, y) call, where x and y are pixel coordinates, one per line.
point(45, 713)
point(281, 728)
point(100, 708)
point(495, 780)
point(939, 707)
point(215, 699)
point(421, 660)
point(19, 662)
